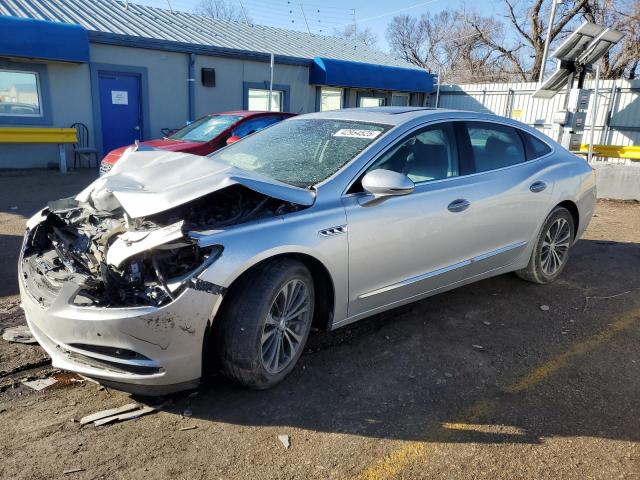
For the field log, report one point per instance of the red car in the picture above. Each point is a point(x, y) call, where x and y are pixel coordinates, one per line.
point(206, 135)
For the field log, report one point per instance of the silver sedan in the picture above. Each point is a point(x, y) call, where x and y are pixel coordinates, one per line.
point(173, 263)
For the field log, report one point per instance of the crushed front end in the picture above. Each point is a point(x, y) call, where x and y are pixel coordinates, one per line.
point(120, 299)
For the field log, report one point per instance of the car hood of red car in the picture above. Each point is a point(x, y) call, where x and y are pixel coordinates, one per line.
point(161, 143)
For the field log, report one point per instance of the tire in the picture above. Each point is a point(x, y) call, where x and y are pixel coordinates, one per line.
point(556, 235)
point(253, 308)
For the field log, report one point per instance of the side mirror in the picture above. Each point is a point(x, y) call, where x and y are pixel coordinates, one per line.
point(233, 139)
point(386, 183)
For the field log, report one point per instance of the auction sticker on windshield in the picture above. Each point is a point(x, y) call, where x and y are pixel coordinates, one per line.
point(356, 133)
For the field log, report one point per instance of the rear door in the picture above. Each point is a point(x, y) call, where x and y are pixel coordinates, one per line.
point(120, 109)
point(509, 194)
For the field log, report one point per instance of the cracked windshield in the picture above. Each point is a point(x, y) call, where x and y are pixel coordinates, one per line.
point(302, 152)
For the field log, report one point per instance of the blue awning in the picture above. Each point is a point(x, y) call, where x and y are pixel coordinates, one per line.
point(28, 38)
point(342, 73)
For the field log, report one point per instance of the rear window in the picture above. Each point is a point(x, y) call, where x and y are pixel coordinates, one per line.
point(494, 146)
point(535, 147)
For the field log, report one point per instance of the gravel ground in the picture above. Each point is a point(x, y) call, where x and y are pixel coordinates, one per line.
point(551, 394)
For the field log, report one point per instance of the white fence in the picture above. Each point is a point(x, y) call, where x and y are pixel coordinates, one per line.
point(618, 114)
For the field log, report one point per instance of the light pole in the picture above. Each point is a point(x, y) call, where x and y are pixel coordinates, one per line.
point(547, 41)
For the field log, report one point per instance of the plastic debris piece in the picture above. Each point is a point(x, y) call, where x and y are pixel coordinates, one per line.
point(72, 470)
point(284, 439)
point(544, 308)
point(40, 384)
point(124, 416)
point(19, 334)
point(187, 412)
point(108, 413)
point(478, 347)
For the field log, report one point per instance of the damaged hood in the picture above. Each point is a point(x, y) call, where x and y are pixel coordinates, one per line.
point(149, 182)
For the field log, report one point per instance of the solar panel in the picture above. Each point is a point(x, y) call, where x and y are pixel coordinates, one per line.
point(585, 46)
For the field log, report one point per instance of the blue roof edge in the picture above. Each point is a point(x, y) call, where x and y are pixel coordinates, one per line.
point(42, 39)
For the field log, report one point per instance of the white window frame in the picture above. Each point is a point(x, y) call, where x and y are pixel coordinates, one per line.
point(403, 95)
point(266, 90)
point(334, 90)
point(38, 93)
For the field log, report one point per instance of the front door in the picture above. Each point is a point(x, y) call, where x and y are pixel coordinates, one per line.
point(402, 247)
point(120, 109)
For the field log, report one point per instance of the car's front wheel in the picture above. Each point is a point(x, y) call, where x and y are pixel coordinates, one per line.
point(551, 251)
point(264, 323)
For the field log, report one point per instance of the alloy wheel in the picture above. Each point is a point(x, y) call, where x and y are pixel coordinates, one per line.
point(555, 246)
point(285, 325)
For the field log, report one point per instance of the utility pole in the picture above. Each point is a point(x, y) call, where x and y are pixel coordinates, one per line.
point(244, 13)
point(552, 17)
point(271, 62)
point(305, 19)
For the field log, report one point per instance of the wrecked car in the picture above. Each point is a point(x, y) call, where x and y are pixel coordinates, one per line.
point(173, 264)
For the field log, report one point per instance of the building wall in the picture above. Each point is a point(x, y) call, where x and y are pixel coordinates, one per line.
point(167, 74)
point(70, 100)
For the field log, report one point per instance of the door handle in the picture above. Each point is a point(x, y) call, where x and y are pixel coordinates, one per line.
point(458, 205)
point(537, 187)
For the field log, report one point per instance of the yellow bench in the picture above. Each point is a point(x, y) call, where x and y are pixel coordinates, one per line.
point(613, 151)
point(59, 136)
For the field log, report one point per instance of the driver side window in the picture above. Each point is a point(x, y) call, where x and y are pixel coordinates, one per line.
point(423, 156)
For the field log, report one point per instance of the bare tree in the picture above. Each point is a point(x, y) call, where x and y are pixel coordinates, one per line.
point(445, 42)
point(222, 10)
point(362, 35)
point(624, 59)
point(529, 23)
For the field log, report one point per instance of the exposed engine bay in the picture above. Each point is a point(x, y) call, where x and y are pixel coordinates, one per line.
point(78, 242)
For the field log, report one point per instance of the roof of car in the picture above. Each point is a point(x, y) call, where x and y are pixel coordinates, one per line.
point(383, 115)
point(249, 113)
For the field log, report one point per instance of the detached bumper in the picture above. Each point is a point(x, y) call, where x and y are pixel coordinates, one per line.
point(144, 350)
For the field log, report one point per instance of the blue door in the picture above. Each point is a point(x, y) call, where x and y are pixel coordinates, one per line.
point(120, 109)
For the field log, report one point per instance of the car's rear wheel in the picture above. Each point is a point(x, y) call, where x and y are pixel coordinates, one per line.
point(551, 252)
point(264, 323)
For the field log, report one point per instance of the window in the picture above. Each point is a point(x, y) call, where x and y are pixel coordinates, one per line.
point(371, 102)
point(429, 154)
point(400, 99)
point(20, 94)
point(535, 148)
point(494, 146)
point(258, 99)
point(206, 128)
point(330, 99)
point(255, 125)
point(302, 151)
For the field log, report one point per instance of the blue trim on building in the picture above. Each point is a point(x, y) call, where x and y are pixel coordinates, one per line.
point(46, 118)
point(96, 68)
point(342, 73)
point(180, 47)
point(265, 86)
point(28, 38)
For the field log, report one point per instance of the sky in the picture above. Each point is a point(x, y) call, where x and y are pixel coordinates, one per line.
point(324, 16)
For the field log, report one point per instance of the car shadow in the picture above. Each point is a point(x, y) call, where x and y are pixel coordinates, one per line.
point(444, 369)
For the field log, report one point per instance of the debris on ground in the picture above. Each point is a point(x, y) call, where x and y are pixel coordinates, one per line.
point(191, 427)
point(544, 308)
point(478, 347)
point(284, 439)
point(486, 322)
point(14, 207)
point(448, 375)
point(72, 470)
point(126, 412)
point(40, 384)
point(125, 416)
point(19, 334)
point(187, 412)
